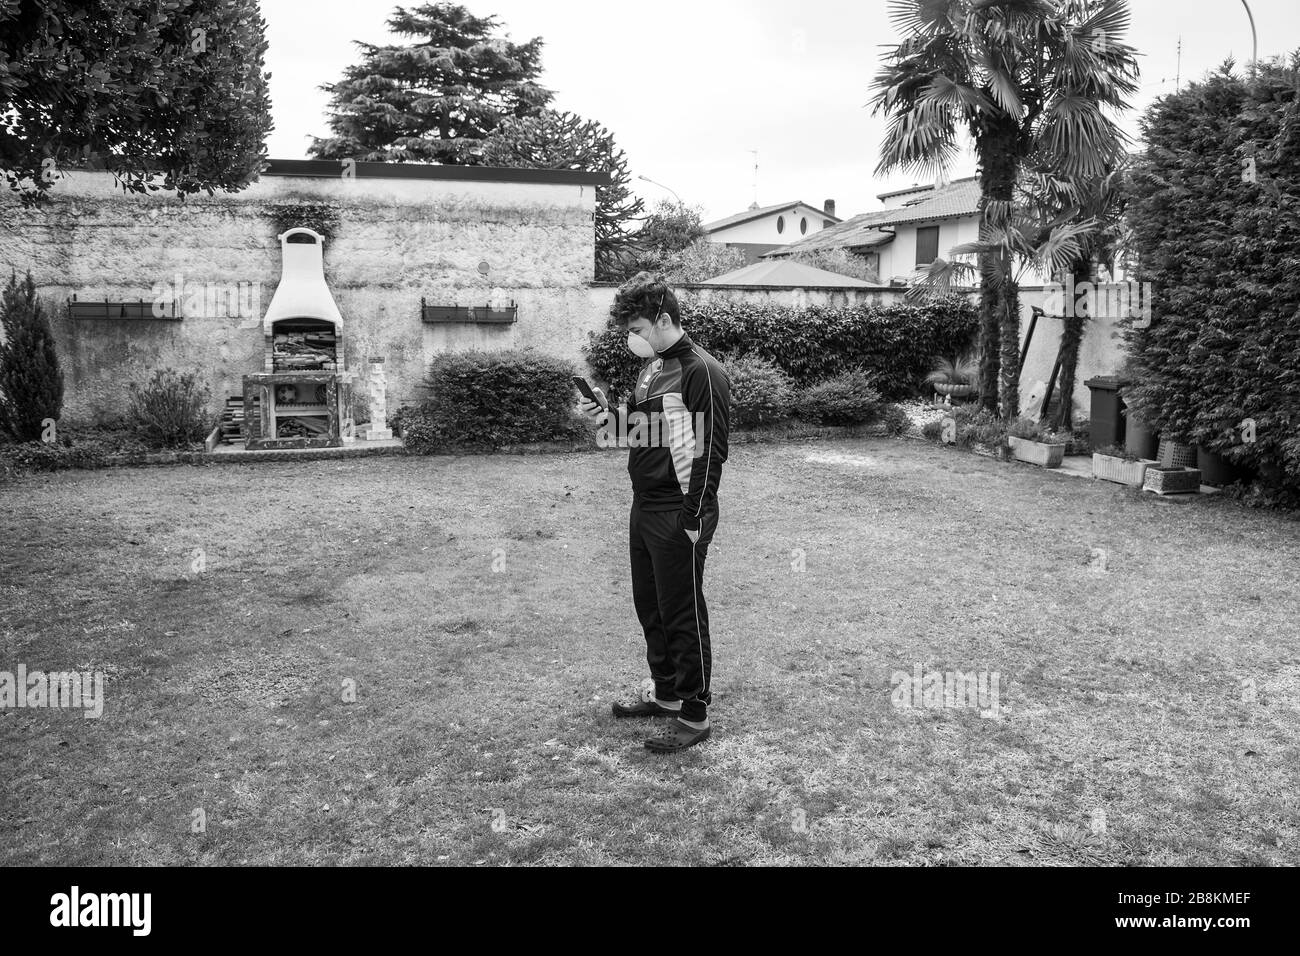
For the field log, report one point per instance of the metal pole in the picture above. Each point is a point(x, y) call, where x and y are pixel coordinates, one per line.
point(661, 185)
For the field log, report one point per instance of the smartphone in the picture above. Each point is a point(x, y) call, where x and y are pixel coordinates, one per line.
point(581, 384)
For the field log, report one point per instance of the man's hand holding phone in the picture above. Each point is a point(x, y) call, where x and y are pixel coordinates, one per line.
point(593, 403)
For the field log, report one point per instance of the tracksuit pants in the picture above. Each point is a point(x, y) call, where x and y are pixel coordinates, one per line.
point(667, 589)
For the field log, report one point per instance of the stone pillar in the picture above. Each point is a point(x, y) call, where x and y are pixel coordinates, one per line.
point(379, 430)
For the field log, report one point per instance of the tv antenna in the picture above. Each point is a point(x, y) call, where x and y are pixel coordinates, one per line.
point(755, 152)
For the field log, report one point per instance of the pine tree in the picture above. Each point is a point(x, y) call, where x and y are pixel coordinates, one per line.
point(555, 140)
point(31, 383)
point(434, 100)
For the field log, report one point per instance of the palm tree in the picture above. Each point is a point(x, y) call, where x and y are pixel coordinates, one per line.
point(1025, 78)
point(1100, 201)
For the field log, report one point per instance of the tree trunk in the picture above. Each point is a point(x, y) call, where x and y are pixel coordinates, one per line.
point(1071, 337)
point(1009, 317)
point(988, 338)
point(996, 145)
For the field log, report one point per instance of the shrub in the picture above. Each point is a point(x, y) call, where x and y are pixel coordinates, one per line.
point(1037, 431)
point(932, 431)
point(1217, 246)
point(896, 421)
point(612, 363)
point(1116, 451)
point(846, 399)
point(760, 392)
point(981, 427)
point(31, 383)
point(893, 344)
point(170, 410)
point(396, 418)
point(483, 399)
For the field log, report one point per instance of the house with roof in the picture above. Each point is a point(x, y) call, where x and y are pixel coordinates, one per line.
point(760, 229)
point(917, 225)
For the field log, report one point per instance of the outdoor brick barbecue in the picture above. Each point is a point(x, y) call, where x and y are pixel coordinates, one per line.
point(298, 400)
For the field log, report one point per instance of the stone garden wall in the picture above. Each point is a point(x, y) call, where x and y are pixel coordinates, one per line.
point(396, 240)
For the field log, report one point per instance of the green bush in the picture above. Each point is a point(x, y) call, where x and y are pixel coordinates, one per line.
point(170, 410)
point(896, 421)
point(761, 393)
point(846, 399)
point(981, 427)
point(1037, 431)
point(480, 399)
point(31, 383)
point(893, 344)
point(1218, 245)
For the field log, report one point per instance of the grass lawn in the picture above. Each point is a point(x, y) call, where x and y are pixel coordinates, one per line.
point(481, 608)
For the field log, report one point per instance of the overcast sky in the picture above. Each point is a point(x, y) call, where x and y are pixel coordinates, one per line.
point(690, 87)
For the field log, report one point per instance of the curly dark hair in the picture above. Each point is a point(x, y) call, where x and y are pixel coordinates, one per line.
point(639, 296)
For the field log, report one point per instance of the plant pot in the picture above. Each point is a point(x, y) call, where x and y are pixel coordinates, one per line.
point(954, 390)
point(1110, 468)
point(1215, 469)
point(1174, 454)
point(1140, 440)
point(1171, 481)
point(1037, 452)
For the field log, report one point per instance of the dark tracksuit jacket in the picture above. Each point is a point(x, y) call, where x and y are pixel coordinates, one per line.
point(674, 487)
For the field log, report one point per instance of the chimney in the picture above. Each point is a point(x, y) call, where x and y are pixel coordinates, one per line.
point(828, 207)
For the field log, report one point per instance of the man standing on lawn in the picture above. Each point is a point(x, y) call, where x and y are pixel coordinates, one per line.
point(675, 466)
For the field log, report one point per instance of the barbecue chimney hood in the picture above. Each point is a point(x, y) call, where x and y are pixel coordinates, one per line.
point(302, 292)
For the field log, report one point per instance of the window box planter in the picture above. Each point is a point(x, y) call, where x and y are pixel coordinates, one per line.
point(1036, 452)
point(1172, 481)
point(465, 313)
point(1111, 468)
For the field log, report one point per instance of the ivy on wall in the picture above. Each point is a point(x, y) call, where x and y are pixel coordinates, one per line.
point(317, 216)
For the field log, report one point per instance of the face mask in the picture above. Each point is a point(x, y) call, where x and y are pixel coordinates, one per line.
point(640, 346)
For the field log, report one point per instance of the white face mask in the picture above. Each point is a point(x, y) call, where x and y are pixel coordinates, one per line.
point(640, 346)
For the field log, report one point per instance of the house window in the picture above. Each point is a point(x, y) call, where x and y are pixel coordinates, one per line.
point(803, 226)
point(780, 224)
point(927, 245)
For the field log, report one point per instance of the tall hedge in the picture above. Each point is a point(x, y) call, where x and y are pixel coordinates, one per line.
point(1218, 238)
point(480, 399)
point(894, 344)
point(31, 382)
